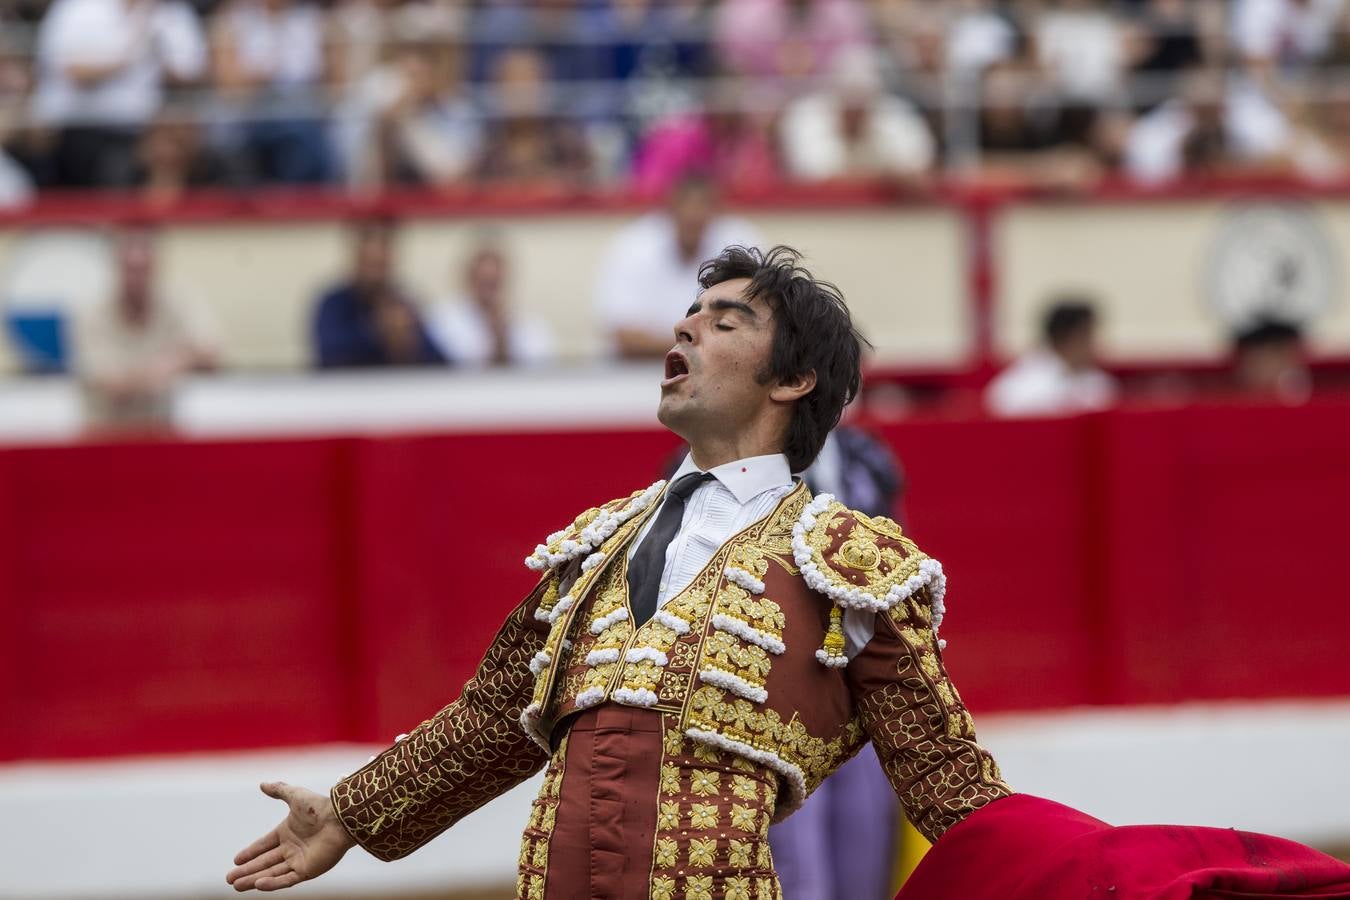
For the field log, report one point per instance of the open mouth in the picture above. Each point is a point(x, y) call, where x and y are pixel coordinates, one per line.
point(677, 368)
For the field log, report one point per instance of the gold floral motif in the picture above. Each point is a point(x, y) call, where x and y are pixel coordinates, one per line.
point(765, 855)
point(598, 676)
point(757, 612)
point(731, 654)
point(766, 889)
point(683, 654)
point(745, 788)
point(743, 764)
point(667, 853)
point(536, 889)
point(674, 687)
point(703, 815)
point(705, 783)
point(698, 887)
point(672, 742)
point(539, 856)
point(668, 817)
point(702, 853)
point(663, 888)
point(737, 889)
point(670, 779)
point(741, 853)
point(739, 720)
point(707, 754)
point(745, 818)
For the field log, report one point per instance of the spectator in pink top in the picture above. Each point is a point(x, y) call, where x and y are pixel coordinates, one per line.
point(787, 38)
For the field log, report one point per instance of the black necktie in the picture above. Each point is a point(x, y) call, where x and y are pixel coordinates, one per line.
point(649, 560)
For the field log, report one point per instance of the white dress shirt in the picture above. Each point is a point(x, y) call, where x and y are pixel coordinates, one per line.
point(740, 494)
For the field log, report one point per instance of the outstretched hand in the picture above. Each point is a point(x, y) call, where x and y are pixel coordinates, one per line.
point(307, 843)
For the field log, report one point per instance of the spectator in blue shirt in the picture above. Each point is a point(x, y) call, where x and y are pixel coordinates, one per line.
point(369, 320)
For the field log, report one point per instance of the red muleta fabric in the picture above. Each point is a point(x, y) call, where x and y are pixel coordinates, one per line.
point(1028, 848)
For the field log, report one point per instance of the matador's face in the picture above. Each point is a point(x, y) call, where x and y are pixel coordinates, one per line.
point(714, 376)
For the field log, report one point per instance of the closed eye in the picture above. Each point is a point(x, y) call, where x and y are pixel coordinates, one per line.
point(724, 327)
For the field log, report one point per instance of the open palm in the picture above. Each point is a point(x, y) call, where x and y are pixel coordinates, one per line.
point(307, 843)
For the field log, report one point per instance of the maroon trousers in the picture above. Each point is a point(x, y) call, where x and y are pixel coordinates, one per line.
point(631, 809)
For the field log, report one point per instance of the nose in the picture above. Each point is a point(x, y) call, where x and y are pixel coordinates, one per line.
point(684, 330)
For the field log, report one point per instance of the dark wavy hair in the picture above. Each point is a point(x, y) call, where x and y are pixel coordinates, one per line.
point(813, 332)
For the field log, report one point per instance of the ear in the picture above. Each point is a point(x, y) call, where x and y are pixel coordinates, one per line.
point(795, 388)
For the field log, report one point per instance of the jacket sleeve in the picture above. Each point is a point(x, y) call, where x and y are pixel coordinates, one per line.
point(468, 753)
point(922, 732)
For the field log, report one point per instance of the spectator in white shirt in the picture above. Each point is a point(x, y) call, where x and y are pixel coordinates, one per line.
point(1061, 377)
point(102, 67)
point(272, 65)
point(1269, 34)
point(650, 273)
point(478, 328)
point(854, 129)
point(1217, 123)
point(1081, 46)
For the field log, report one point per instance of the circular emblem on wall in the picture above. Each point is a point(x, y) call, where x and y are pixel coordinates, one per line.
point(1271, 261)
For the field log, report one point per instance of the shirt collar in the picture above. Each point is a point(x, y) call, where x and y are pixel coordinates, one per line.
point(745, 478)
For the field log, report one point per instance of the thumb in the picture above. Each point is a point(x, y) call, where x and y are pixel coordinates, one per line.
point(278, 790)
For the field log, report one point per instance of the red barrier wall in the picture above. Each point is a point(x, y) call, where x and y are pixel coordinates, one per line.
point(193, 596)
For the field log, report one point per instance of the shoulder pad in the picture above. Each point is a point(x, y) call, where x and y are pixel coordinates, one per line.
point(590, 529)
point(860, 561)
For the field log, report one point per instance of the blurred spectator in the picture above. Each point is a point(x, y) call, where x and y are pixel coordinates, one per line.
point(1268, 362)
point(1217, 124)
point(272, 70)
point(787, 38)
point(649, 276)
point(730, 140)
point(130, 351)
point(1269, 35)
point(171, 160)
point(1171, 37)
point(427, 130)
point(1081, 46)
point(102, 66)
point(852, 128)
point(1059, 377)
point(477, 328)
point(527, 142)
point(369, 320)
point(978, 35)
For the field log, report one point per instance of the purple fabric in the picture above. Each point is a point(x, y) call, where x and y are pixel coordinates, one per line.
point(840, 845)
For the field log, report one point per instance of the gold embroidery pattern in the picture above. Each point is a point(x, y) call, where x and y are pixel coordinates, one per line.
point(860, 560)
point(923, 733)
point(532, 874)
point(698, 850)
point(738, 719)
point(448, 766)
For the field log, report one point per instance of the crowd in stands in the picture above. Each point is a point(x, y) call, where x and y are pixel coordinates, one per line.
point(165, 96)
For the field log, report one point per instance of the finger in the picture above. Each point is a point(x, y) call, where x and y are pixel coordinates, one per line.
point(278, 790)
point(249, 882)
point(257, 864)
point(276, 884)
point(261, 845)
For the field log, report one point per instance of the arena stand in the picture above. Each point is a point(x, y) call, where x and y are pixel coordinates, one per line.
point(1147, 607)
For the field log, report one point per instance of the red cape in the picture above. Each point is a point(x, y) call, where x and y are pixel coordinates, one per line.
point(1027, 848)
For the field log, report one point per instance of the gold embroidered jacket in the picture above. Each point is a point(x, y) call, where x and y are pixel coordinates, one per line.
point(750, 657)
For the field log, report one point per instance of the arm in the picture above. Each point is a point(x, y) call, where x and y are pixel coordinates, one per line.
point(922, 732)
point(468, 753)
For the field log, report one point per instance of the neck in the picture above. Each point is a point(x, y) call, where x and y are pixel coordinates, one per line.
point(711, 452)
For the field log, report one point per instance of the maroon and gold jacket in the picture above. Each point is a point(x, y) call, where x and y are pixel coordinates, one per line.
point(750, 657)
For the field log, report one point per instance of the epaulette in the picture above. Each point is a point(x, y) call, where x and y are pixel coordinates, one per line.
point(861, 562)
point(583, 538)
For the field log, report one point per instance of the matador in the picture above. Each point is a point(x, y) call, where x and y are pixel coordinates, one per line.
point(697, 656)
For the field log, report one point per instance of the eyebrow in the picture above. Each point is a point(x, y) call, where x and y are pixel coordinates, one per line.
point(725, 306)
